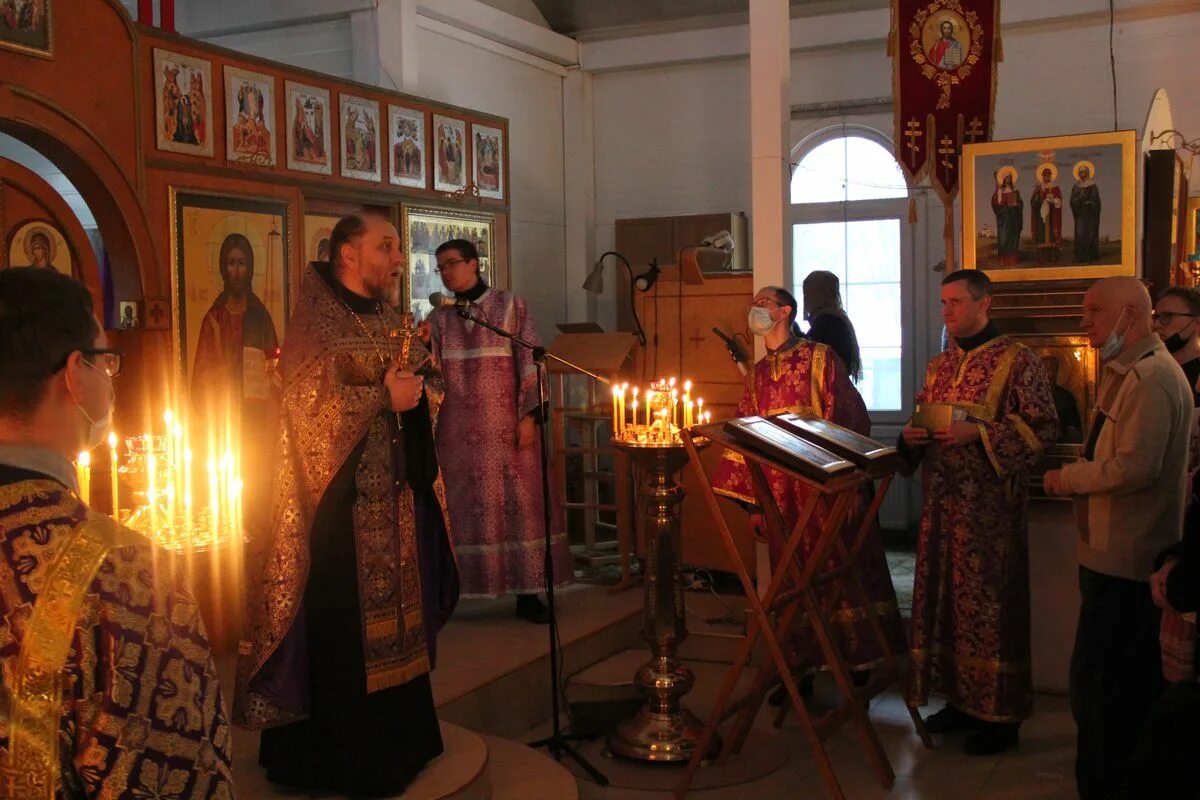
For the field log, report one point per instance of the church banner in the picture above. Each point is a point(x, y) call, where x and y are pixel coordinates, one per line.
point(944, 55)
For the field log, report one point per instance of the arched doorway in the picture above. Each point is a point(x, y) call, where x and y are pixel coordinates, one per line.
point(113, 196)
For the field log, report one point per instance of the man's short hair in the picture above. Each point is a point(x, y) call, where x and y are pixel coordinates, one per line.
point(44, 317)
point(347, 231)
point(466, 249)
point(978, 283)
point(1189, 296)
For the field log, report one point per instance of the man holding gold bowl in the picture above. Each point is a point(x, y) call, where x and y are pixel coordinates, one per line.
point(982, 421)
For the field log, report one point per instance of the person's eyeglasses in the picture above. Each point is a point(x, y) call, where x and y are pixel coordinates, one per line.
point(106, 360)
point(1161, 318)
point(447, 264)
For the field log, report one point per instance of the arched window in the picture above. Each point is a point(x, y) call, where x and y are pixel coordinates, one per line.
point(846, 169)
point(849, 204)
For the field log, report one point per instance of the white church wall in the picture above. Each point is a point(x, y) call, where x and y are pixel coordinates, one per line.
point(672, 129)
point(531, 97)
point(324, 46)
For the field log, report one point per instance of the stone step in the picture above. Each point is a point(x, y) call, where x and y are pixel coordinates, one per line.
point(459, 773)
point(462, 772)
point(518, 772)
point(493, 672)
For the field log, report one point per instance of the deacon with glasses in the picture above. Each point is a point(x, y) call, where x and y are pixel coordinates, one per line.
point(109, 687)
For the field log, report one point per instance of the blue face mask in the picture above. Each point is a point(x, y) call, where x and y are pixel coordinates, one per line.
point(759, 320)
point(1115, 341)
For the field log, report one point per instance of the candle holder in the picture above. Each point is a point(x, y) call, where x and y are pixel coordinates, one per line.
point(662, 730)
point(665, 412)
point(164, 513)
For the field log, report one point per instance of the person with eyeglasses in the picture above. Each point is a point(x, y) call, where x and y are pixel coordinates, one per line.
point(806, 377)
point(488, 444)
point(109, 686)
point(1161, 761)
point(1129, 490)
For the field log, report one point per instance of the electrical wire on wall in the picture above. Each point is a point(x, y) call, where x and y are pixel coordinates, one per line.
point(1112, 56)
point(679, 312)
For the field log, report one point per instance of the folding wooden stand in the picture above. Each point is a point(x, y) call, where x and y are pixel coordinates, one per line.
point(792, 588)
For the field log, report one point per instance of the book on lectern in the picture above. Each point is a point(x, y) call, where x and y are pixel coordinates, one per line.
point(862, 451)
point(788, 449)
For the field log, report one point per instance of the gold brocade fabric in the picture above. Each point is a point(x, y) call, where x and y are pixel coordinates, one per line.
point(109, 689)
point(970, 623)
point(333, 399)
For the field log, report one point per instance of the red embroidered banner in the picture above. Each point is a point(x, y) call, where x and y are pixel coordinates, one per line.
point(944, 55)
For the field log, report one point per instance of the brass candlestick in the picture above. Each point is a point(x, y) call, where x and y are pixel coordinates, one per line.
point(662, 730)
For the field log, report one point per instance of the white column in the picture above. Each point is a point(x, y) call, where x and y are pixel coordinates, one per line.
point(579, 196)
point(770, 79)
point(770, 237)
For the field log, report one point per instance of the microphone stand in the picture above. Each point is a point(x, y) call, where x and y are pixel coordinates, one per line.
point(557, 744)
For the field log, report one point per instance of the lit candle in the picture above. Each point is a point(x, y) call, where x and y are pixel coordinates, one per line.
point(214, 498)
point(621, 407)
point(152, 491)
point(635, 406)
point(187, 486)
point(112, 460)
point(227, 488)
point(181, 486)
point(674, 405)
point(83, 473)
point(687, 387)
point(616, 426)
point(700, 409)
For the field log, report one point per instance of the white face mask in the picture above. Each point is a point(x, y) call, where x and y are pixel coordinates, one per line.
point(98, 428)
point(759, 320)
point(1115, 341)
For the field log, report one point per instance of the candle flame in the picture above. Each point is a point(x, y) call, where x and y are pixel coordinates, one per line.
point(84, 459)
point(112, 441)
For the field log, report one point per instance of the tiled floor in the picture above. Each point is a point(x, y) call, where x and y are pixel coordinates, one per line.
point(485, 643)
point(1040, 768)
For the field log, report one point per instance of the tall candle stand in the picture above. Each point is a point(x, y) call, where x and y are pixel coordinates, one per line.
point(662, 730)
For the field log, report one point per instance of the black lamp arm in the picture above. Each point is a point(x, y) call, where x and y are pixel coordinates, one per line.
point(641, 333)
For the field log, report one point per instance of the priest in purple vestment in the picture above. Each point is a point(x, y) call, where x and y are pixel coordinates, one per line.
point(356, 576)
point(488, 441)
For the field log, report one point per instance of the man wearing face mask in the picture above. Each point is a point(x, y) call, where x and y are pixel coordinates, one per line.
point(805, 377)
point(1177, 322)
point(109, 687)
point(970, 619)
point(1129, 490)
point(358, 575)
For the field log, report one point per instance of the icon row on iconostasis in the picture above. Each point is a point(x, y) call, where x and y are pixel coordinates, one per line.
point(183, 92)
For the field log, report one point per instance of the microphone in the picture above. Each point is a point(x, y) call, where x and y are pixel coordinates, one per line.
point(439, 300)
point(735, 349)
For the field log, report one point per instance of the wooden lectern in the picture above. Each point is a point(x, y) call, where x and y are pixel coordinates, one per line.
point(835, 464)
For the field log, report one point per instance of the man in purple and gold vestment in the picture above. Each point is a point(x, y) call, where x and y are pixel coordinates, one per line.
point(804, 377)
point(108, 687)
point(356, 575)
point(970, 620)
